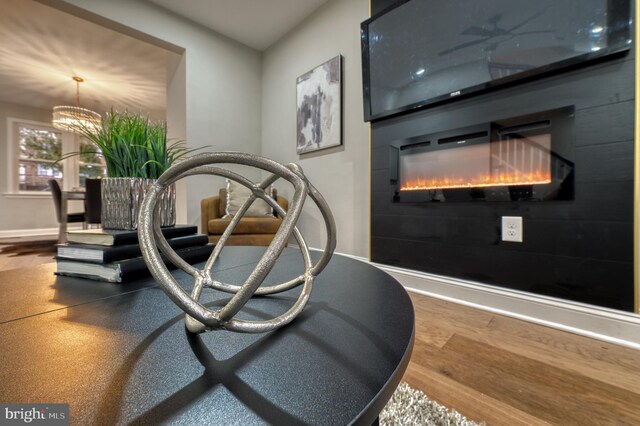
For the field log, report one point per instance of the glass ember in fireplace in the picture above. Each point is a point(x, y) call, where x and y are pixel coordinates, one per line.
point(517, 161)
point(527, 158)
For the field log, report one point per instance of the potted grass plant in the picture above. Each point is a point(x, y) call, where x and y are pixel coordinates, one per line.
point(136, 152)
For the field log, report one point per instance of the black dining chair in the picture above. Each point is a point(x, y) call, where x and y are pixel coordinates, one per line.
point(56, 192)
point(93, 201)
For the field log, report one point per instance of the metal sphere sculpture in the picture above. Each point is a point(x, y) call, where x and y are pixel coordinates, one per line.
point(198, 318)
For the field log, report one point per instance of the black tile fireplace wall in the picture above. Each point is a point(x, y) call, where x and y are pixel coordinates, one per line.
point(580, 249)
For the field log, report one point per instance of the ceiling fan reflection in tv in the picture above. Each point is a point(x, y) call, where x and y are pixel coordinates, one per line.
point(495, 33)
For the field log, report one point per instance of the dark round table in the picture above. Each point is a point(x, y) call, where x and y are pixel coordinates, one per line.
point(119, 354)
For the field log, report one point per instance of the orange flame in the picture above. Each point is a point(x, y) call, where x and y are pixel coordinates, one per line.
point(502, 179)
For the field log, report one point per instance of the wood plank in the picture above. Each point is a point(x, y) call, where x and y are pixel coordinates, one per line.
point(469, 402)
point(453, 313)
point(602, 361)
point(534, 373)
point(434, 335)
point(451, 318)
point(548, 392)
point(606, 362)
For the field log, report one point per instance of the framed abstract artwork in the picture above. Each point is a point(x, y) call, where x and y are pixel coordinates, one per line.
point(319, 107)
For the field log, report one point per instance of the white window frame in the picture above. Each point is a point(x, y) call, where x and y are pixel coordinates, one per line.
point(71, 167)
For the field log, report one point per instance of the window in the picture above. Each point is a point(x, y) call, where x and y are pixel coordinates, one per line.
point(38, 151)
point(91, 164)
point(34, 153)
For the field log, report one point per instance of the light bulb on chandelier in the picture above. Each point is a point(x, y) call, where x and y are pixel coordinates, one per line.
point(71, 118)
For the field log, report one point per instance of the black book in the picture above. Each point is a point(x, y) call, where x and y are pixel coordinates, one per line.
point(105, 254)
point(112, 237)
point(127, 269)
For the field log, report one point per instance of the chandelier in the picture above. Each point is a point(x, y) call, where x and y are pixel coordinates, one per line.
point(72, 118)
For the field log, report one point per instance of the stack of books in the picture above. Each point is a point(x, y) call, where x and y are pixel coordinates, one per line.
point(115, 256)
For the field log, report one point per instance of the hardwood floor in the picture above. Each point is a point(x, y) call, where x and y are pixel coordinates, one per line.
point(509, 372)
point(505, 371)
point(10, 259)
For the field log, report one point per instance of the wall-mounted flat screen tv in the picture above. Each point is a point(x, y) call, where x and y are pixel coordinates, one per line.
point(422, 52)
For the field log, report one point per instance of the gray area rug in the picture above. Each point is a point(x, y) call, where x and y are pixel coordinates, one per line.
point(409, 406)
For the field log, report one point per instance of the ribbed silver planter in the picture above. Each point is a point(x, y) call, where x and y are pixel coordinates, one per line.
point(121, 200)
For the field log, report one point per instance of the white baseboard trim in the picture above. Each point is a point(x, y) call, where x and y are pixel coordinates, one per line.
point(13, 233)
point(609, 325)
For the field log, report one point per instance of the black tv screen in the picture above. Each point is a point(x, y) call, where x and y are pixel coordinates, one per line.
point(421, 52)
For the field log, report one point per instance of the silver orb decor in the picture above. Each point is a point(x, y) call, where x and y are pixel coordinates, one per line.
point(199, 318)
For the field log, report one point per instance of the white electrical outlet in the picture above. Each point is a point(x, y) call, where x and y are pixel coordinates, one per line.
point(512, 228)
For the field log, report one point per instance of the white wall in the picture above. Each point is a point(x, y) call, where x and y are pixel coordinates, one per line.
point(223, 81)
point(340, 174)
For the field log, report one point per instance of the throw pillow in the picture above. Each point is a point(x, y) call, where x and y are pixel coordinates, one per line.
point(236, 196)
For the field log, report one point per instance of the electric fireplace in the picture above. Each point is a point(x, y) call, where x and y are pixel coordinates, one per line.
point(525, 158)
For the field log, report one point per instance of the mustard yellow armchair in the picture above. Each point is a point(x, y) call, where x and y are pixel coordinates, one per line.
point(251, 230)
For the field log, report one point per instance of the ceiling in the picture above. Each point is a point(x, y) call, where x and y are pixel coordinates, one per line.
point(255, 23)
point(41, 48)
